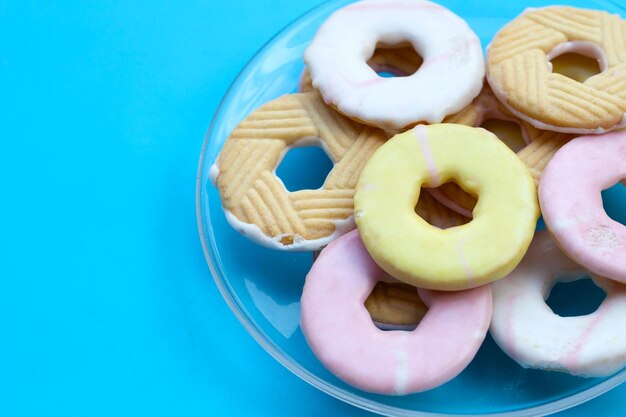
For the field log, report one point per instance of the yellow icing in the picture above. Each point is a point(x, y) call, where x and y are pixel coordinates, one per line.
point(410, 249)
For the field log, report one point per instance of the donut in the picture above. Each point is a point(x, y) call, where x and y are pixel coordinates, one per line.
point(520, 73)
point(525, 327)
point(413, 251)
point(256, 202)
point(451, 74)
point(341, 333)
point(571, 203)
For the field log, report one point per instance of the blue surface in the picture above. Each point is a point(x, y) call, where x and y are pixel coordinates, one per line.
point(106, 303)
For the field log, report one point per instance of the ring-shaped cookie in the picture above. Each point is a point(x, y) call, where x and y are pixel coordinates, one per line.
point(520, 74)
point(255, 200)
point(451, 74)
point(571, 202)
point(343, 337)
point(411, 250)
point(525, 327)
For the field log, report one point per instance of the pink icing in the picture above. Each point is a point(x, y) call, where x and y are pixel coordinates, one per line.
point(459, 48)
point(433, 171)
point(342, 335)
point(532, 334)
point(378, 68)
point(471, 277)
point(570, 359)
point(569, 194)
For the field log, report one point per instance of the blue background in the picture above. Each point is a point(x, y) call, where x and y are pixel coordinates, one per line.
point(106, 303)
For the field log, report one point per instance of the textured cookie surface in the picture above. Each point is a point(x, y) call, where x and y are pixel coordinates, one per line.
point(395, 303)
point(255, 200)
point(537, 155)
point(437, 214)
point(520, 73)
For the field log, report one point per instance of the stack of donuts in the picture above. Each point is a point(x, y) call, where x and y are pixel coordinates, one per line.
point(426, 223)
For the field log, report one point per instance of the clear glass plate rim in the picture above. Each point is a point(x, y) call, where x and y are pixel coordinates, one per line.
point(209, 247)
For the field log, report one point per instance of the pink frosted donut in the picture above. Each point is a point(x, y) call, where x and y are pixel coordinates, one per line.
point(533, 335)
point(342, 335)
point(569, 194)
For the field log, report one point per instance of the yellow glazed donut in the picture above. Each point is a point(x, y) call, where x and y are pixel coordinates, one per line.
point(466, 256)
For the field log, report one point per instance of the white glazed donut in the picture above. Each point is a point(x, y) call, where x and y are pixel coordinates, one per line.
point(525, 327)
point(450, 76)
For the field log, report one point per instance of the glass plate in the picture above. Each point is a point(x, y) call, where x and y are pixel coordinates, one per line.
point(263, 286)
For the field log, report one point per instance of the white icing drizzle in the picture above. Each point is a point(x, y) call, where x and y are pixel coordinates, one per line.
point(402, 371)
point(214, 172)
point(588, 49)
point(254, 233)
point(301, 143)
point(582, 47)
point(545, 126)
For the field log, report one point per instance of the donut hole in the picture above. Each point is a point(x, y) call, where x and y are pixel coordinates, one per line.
point(395, 60)
point(304, 168)
point(507, 131)
point(395, 306)
point(575, 298)
point(613, 202)
point(445, 206)
point(577, 60)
